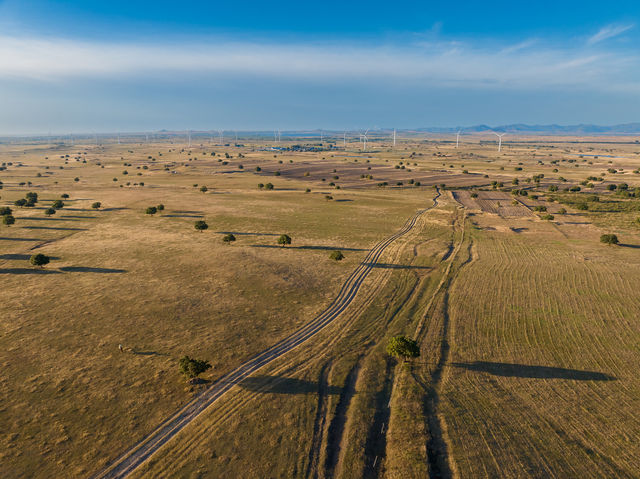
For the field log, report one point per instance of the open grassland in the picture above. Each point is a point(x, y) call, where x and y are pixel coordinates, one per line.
point(528, 327)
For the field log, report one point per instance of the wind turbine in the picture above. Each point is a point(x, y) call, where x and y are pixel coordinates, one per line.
point(364, 139)
point(344, 139)
point(118, 138)
point(457, 138)
point(500, 140)
point(221, 133)
point(189, 135)
point(394, 137)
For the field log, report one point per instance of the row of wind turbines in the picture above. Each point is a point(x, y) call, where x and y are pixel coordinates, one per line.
point(363, 138)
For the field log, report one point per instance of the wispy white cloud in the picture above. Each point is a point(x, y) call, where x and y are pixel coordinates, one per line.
point(607, 32)
point(524, 65)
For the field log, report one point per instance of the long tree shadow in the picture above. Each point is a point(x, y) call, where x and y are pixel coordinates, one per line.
point(27, 271)
point(21, 256)
point(627, 245)
point(183, 216)
point(396, 266)
point(318, 248)
point(533, 372)
point(86, 269)
point(238, 233)
point(35, 218)
point(280, 385)
point(59, 228)
point(20, 239)
point(79, 217)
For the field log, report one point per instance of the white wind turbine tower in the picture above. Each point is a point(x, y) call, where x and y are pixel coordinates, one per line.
point(221, 134)
point(189, 137)
point(457, 138)
point(394, 137)
point(499, 140)
point(118, 138)
point(364, 139)
point(344, 139)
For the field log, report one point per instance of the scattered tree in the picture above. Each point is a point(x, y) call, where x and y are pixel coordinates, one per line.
point(50, 211)
point(336, 255)
point(8, 220)
point(268, 186)
point(64, 196)
point(160, 207)
point(96, 205)
point(192, 368)
point(204, 189)
point(228, 238)
point(39, 260)
point(57, 204)
point(5, 210)
point(284, 240)
point(403, 347)
point(151, 210)
point(20, 202)
point(201, 225)
point(609, 239)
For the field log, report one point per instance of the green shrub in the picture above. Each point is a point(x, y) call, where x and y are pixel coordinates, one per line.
point(336, 255)
point(609, 238)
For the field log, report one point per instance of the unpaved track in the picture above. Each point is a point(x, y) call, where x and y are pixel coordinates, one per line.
point(138, 454)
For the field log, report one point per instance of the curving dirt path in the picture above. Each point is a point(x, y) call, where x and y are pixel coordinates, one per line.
point(138, 454)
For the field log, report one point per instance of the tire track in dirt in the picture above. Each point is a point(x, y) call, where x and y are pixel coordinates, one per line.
point(142, 451)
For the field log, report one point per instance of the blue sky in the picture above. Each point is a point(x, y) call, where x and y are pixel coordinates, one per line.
point(82, 66)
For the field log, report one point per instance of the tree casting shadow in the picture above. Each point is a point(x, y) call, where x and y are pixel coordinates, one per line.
point(533, 372)
point(279, 385)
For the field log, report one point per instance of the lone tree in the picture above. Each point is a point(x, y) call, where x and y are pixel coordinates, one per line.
point(96, 205)
point(268, 186)
point(229, 238)
point(5, 210)
point(57, 204)
point(284, 240)
point(201, 225)
point(402, 347)
point(8, 220)
point(64, 196)
point(192, 368)
point(336, 255)
point(204, 189)
point(609, 238)
point(151, 210)
point(39, 260)
point(50, 211)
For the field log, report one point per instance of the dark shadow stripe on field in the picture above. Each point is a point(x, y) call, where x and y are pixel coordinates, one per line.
point(21, 256)
point(318, 248)
point(397, 266)
point(20, 239)
point(533, 372)
point(27, 271)
point(32, 218)
point(280, 385)
point(182, 216)
point(53, 228)
point(634, 246)
point(86, 269)
point(246, 234)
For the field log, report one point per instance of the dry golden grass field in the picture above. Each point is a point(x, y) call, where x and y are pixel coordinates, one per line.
point(528, 325)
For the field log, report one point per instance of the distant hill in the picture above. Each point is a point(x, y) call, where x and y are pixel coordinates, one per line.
point(582, 129)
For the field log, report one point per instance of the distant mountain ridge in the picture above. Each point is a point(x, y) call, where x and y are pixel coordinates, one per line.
point(581, 129)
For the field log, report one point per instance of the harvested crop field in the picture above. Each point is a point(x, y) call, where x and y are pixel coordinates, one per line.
point(496, 202)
